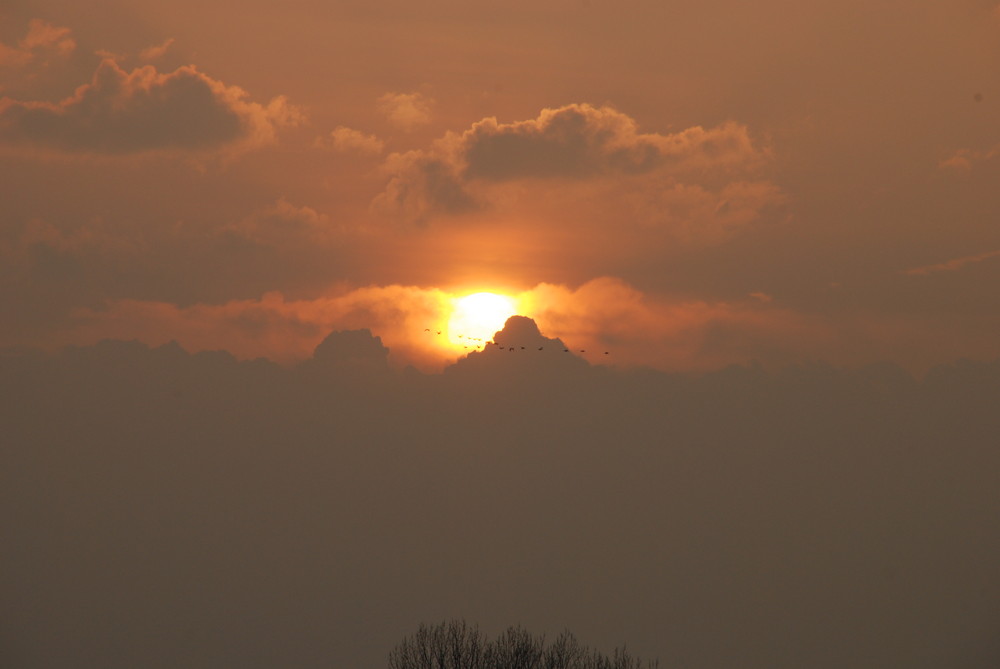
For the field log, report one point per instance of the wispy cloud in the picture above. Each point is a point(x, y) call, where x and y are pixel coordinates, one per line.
point(349, 140)
point(42, 41)
point(952, 265)
point(156, 51)
point(964, 160)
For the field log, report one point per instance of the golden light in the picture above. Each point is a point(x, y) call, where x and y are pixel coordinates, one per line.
point(476, 317)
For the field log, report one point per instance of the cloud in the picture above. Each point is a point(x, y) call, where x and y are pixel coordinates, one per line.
point(604, 314)
point(349, 140)
point(637, 329)
point(965, 160)
point(285, 224)
point(42, 42)
point(121, 112)
point(960, 161)
point(422, 185)
point(53, 264)
point(575, 143)
point(952, 265)
point(350, 351)
point(579, 140)
point(673, 334)
point(693, 212)
point(147, 490)
point(278, 328)
point(156, 51)
point(406, 111)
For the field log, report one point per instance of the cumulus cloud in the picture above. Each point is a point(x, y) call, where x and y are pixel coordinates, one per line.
point(349, 351)
point(406, 111)
point(576, 142)
point(42, 42)
point(156, 51)
point(580, 140)
point(422, 185)
point(349, 140)
point(121, 112)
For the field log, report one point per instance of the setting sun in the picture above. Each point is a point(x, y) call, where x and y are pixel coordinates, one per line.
point(476, 317)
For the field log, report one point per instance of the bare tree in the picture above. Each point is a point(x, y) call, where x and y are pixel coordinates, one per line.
point(515, 648)
point(450, 645)
point(458, 645)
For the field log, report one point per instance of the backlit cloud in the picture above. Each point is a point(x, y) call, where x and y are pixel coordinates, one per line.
point(636, 329)
point(953, 264)
point(964, 160)
point(121, 112)
point(673, 334)
point(405, 110)
point(42, 41)
point(580, 140)
point(282, 329)
point(422, 185)
point(156, 51)
point(349, 140)
point(602, 315)
point(574, 143)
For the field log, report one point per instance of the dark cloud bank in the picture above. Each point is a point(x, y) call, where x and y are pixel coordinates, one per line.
point(167, 509)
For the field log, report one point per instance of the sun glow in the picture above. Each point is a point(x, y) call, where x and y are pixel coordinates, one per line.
point(476, 317)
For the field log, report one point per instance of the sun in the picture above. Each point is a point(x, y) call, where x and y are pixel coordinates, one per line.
point(476, 317)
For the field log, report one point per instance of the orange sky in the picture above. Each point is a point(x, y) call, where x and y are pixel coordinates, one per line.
point(691, 183)
point(747, 416)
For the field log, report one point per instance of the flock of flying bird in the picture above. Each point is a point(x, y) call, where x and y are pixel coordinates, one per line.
point(502, 348)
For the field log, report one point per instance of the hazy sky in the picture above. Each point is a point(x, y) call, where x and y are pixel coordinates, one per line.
point(805, 189)
point(696, 183)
